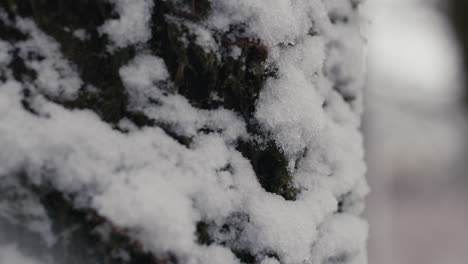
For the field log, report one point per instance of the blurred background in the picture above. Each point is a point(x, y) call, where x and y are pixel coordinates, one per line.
point(416, 126)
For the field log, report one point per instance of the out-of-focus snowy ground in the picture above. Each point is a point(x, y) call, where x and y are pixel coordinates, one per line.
point(415, 136)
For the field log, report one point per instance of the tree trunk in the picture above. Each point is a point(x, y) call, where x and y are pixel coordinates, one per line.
point(176, 131)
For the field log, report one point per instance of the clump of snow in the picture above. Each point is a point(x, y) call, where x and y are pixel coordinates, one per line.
point(236, 52)
point(141, 75)
point(287, 228)
point(342, 240)
point(285, 111)
point(133, 24)
point(274, 22)
point(204, 37)
point(81, 34)
point(55, 75)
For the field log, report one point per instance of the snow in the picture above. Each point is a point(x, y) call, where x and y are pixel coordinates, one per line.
point(203, 37)
point(81, 34)
point(284, 111)
point(140, 75)
point(56, 77)
point(287, 228)
point(159, 189)
point(343, 234)
point(132, 26)
point(275, 21)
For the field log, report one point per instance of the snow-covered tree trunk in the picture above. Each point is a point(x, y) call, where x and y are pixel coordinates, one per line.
point(181, 131)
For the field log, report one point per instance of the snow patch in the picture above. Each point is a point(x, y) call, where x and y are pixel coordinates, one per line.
point(132, 26)
point(55, 75)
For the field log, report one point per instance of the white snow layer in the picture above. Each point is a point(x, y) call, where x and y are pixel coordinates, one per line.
point(147, 182)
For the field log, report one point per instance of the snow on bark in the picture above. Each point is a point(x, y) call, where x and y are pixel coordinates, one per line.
point(194, 181)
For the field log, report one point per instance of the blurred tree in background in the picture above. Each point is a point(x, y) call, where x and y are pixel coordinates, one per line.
point(457, 14)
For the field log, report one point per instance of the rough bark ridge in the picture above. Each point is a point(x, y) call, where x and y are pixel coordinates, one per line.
point(177, 131)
